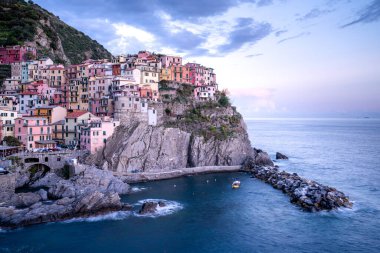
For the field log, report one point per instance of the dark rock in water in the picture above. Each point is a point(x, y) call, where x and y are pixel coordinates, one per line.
point(261, 159)
point(148, 207)
point(308, 194)
point(91, 193)
point(280, 156)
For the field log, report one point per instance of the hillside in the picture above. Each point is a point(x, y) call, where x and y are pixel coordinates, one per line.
point(27, 23)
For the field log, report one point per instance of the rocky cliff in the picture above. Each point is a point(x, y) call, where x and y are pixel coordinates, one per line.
point(23, 22)
point(204, 134)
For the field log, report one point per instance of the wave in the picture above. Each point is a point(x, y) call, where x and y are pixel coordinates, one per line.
point(119, 215)
point(169, 208)
point(138, 189)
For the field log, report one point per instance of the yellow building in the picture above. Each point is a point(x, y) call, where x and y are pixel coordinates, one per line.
point(166, 74)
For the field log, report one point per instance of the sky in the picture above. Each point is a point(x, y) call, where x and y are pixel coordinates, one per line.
point(277, 58)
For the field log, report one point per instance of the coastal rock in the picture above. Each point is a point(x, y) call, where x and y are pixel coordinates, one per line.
point(280, 156)
point(308, 194)
point(43, 194)
point(143, 148)
point(91, 192)
point(262, 158)
point(26, 199)
point(97, 201)
point(150, 207)
point(84, 206)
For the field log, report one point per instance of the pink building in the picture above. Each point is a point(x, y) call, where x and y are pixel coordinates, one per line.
point(34, 132)
point(101, 106)
point(168, 61)
point(200, 75)
point(94, 137)
point(11, 54)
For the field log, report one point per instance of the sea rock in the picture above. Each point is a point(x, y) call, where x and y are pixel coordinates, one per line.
point(280, 156)
point(262, 158)
point(150, 207)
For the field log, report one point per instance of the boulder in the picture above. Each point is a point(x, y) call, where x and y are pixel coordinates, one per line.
point(280, 156)
point(148, 207)
point(22, 200)
point(43, 194)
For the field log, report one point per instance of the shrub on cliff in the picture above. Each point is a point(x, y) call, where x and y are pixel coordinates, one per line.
point(224, 100)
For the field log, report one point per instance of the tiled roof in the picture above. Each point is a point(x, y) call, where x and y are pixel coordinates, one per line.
point(75, 114)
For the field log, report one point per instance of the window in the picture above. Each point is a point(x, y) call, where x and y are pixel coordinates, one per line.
point(104, 132)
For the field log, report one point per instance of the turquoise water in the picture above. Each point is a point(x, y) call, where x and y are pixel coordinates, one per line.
point(205, 215)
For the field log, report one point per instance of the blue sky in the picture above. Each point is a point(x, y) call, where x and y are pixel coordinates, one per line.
point(283, 58)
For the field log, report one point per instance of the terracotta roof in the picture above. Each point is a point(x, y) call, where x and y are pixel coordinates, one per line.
point(75, 114)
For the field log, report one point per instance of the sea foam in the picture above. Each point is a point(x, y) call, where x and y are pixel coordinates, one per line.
point(169, 208)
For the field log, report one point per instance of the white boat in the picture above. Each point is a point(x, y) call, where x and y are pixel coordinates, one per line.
point(236, 184)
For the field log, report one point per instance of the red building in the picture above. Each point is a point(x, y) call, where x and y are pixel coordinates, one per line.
point(11, 54)
point(116, 69)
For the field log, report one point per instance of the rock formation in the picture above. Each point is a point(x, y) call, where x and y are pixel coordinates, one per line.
point(151, 207)
point(200, 136)
point(280, 156)
point(308, 194)
point(91, 192)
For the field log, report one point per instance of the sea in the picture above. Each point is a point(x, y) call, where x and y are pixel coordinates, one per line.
point(203, 213)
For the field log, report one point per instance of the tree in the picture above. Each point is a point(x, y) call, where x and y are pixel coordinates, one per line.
point(11, 141)
point(223, 99)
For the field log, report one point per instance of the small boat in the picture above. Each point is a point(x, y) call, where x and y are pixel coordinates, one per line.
point(235, 184)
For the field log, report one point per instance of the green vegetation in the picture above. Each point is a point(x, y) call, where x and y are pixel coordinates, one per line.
point(224, 100)
point(20, 20)
point(11, 141)
point(168, 111)
point(5, 72)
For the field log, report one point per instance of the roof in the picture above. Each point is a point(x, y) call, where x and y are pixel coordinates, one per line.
point(75, 114)
point(59, 122)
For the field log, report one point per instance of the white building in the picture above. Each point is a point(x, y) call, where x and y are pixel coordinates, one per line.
point(8, 122)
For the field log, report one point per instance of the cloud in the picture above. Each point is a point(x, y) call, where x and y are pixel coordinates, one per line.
point(294, 37)
point(369, 14)
point(191, 29)
point(278, 33)
point(254, 100)
point(253, 55)
point(314, 13)
point(124, 30)
point(262, 3)
point(246, 31)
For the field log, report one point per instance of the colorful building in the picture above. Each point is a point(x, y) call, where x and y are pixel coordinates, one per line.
point(11, 54)
point(95, 135)
point(34, 132)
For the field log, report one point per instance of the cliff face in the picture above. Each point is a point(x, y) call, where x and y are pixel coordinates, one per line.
point(27, 23)
point(153, 149)
point(215, 136)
